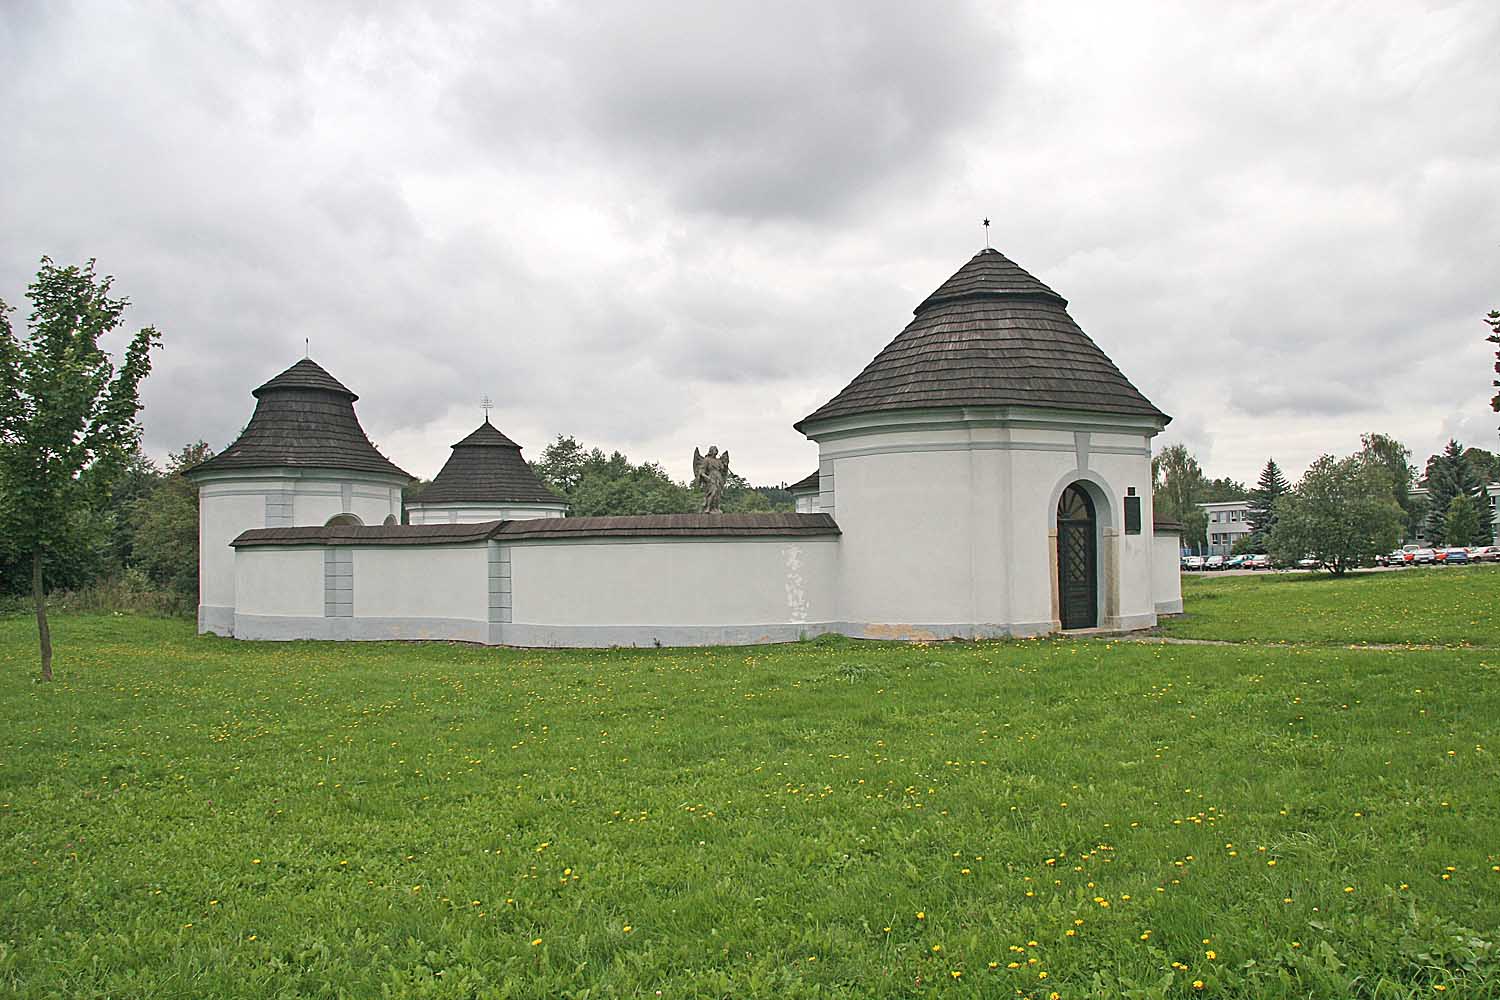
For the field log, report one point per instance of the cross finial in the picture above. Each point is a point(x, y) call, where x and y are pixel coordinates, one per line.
point(307, 347)
point(986, 233)
point(486, 404)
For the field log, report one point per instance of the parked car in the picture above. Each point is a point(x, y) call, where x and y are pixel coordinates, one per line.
point(1423, 557)
point(1192, 562)
point(1213, 563)
point(1485, 553)
point(1309, 563)
point(1236, 562)
point(1454, 556)
point(1258, 561)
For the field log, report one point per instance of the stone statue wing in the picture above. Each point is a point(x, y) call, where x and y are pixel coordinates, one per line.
point(724, 458)
point(697, 467)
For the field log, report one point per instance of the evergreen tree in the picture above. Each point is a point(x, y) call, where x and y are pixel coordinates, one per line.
point(1450, 475)
point(1493, 319)
point(1462, 519)
point(1271, 486)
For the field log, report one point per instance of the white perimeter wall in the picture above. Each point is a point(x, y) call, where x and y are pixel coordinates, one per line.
point(279, 582)
point(412, 581)
point(1166, 573)
point(695, 581)
point(604, 592)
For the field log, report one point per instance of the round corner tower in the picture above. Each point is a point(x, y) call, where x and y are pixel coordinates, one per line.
point(302, 460)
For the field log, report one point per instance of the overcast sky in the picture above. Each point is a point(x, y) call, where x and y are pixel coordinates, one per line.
point(661, 225)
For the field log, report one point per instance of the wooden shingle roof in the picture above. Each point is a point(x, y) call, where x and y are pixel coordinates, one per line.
point(991, 335)
point(487, 467)
point(807, 484)
point(304, 418)
point(758, 525)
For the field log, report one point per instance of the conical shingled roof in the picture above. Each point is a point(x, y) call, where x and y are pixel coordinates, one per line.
point(304, 419)
point(991, 335)
point(487, 467)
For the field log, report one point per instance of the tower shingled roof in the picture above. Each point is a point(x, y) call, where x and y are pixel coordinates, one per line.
point(991, 335)
point(487, 467)
point(304, 419)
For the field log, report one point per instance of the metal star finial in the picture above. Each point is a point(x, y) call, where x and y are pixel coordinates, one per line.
point(986, 233)
point(486, 404)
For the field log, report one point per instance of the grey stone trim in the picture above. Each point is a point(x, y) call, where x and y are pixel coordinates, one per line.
point(1081, 447)
point(1169, 607)
point(959, 418)
point(827, 498)
point(286, 628)
point(647, 636)
point(215, 619)
point(902, 449)
point(346, 496)
point(279, 509)
point(500, 584)
point(338, 583)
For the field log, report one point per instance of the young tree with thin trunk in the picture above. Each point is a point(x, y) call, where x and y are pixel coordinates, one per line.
point(67, 415)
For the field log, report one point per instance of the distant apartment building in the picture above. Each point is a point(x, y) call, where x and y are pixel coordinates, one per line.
point(1492, 490)
point(1228, 522)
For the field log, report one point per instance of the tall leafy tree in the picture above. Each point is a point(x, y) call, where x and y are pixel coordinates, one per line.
point(1395, 457)
point(1271, 486)
point(165, 525)
point(1177, 487)
point(1341, 513)
point(67, 415)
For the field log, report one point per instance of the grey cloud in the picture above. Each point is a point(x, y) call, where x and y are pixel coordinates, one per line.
point(646, 223)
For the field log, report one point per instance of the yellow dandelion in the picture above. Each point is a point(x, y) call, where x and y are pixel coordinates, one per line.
point(535, 942)
point(1210, 955)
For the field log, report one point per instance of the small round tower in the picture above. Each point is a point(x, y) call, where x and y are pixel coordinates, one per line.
point(485, 479)
point(990, 470)
point(302, 460)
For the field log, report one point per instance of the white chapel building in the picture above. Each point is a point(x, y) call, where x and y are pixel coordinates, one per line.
point(987, 474)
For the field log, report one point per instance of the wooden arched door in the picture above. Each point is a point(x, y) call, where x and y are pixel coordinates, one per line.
point(1077, 559)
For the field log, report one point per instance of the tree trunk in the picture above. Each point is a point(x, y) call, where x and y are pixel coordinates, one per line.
point(39, 595)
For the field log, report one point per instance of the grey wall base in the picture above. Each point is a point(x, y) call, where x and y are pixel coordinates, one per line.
point(287, 628)
point(217, 620)
point(1169, 607)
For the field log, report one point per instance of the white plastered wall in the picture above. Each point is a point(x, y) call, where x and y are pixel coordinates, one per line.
point(460, 513)
point(697, 591)
point(411, 582)
point(1166, 572)
point(278, 582)
point(234, 501)
point(949, 520)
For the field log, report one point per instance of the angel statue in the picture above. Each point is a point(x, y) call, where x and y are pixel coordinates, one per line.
point(710, 473)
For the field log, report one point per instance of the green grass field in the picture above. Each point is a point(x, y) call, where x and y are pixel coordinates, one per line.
point(1447, 606)
point(194, 817)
